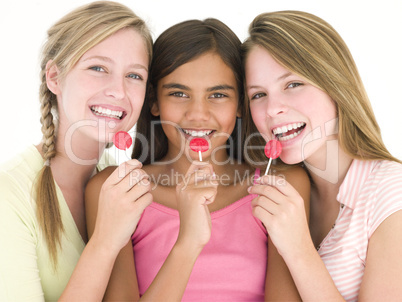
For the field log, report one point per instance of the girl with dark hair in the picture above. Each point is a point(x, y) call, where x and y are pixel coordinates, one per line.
point(199, 238)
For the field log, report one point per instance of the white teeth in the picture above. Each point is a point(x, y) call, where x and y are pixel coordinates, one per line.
point(280, 132)
point(195, 133)
point(285, 138)
point(287, 128)
point(107, 112)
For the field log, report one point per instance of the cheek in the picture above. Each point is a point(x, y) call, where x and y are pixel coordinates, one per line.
point(137, 95)
point(259, 117)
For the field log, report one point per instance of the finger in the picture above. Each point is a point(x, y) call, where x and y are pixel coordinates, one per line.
point(198, 166)
point(268, 191)
point(140, 188)
point(201, 182)
point(198, 177)
point(136, 192)
point(263, 215)
point(265, 204)
point(279, 183)
point(210, 195)
point(122, 171)
point(144, 201)
point(130, 180)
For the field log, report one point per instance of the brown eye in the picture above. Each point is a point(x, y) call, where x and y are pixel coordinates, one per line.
point(218, 95)
point(178, 94)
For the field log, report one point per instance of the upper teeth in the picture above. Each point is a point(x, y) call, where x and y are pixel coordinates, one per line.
point(107, 112)
point(287, 128)
point(197, 133)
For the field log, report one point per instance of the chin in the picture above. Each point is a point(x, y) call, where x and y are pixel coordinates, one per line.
point(291, 159)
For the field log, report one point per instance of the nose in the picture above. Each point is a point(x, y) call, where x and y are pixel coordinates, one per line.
point(116, 87)
point(275, 106)
point(197, 110)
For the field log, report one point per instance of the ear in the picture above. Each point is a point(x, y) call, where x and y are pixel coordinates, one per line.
point(155, 109)
point(52, 80)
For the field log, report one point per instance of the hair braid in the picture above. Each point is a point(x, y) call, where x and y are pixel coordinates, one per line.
point(48, 211)
point(67, 40)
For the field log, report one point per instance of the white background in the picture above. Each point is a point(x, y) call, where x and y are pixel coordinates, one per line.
point(371, 29)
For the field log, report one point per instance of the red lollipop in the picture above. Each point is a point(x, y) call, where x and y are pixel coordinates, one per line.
point(122, 140)
point(199, 145)
point(272, 150)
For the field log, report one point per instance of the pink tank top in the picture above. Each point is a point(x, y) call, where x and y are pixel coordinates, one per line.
point(232, 265)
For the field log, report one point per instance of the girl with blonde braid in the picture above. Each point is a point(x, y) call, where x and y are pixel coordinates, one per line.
point(94, 72)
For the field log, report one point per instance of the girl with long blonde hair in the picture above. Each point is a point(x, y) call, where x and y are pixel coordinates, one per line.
point(304, 90)
point(94, 71)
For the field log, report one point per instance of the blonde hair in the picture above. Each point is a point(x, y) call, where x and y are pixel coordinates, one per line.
point(311, 48)
point(67, 41)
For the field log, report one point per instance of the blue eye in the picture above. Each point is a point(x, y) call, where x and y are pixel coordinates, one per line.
point(258, 96)
point(96, 68)
point(135, 76)
point(294, 85)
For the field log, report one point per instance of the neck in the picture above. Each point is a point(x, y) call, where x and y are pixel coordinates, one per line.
point(328, 169)
point(75, 161)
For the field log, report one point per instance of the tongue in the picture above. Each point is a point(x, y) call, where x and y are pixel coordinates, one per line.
point(292, 131)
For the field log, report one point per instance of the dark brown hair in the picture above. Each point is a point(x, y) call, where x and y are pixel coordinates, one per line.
point(176, 46)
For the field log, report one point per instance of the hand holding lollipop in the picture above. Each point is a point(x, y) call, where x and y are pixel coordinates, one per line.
point(272, 150)
point(199, 145)
point(122, 140)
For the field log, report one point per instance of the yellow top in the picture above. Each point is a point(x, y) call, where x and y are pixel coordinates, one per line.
point(26, 273)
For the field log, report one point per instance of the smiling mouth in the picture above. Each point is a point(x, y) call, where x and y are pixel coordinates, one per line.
point(288, 132)
point(105, 112)
point(197, 133)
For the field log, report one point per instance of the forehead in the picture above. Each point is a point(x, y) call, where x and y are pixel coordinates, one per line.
point(204, 71)
point(259, 58)
point(126, 42)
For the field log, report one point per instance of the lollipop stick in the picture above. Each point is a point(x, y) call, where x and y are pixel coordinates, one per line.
point(269, 164)
point(199, 155)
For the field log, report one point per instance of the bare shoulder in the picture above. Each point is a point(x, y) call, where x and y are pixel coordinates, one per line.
point(98, 180)
point(95, 184)
point(92, 193)
point(299, 179)
point(296, 175)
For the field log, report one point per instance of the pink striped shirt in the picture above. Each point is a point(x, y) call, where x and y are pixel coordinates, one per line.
point(370, 192)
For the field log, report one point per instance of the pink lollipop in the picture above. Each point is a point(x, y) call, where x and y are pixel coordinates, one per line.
point(272, 150)
point(199, 145)
point(122, 140)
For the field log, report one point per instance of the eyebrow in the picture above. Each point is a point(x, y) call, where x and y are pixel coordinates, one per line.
point(107, 59)
point(221, 87)
point(184, 87)
point(176, 86)
point(282, 77)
